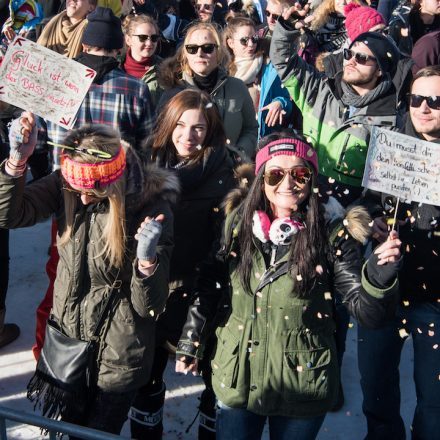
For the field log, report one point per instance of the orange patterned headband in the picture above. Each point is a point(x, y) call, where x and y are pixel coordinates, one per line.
point(93, 175)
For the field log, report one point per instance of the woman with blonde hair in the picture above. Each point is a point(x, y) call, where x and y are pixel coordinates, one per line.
point(114, 241)
point(189, 140)
point(142, 39)
point(199, 63)
point(249, 61)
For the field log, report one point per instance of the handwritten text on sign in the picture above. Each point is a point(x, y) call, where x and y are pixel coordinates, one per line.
point(44, 82)
point(403, 166)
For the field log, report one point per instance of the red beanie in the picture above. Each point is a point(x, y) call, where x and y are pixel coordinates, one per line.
point(360, 19)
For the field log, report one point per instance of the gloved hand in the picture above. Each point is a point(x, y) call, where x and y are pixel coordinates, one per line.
point(148, 236)
point(22, 137)
point(385, 262)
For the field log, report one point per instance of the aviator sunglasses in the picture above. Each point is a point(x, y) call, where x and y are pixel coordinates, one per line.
point(143, 38)
point(206, 48)
point(299, 174)
point(417, 100)
point(360, 58)
point(275, 17)
point(245, 40)
point(204, 6)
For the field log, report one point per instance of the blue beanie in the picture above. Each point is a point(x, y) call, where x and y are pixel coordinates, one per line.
point(103, 30)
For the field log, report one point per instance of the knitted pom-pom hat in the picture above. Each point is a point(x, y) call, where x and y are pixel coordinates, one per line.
point(360, 19)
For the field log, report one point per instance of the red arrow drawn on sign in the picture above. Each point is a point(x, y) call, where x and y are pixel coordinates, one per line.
point(90, 73)
point(64, 122)
point(1, 92)
point(18, 41)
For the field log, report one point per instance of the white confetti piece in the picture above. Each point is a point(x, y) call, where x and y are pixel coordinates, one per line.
point(403, 333)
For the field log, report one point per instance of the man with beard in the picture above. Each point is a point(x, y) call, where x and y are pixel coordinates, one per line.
point(338, 113)
point(418, 314)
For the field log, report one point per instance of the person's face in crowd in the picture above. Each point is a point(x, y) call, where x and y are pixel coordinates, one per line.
point(244, 42)
point(273, 11)
point(363, 75)
point(430, 7)
point(425, 119)
point(140, 41)
point(205, 9)
point(288, 194)
point(190, 132)
point(78, 9)
point(202, 63)
point(86, 197)
point(339, 6)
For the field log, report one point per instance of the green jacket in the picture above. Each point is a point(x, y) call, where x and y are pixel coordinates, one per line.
point(126, 342)
point(341, 139)
point(275, 351)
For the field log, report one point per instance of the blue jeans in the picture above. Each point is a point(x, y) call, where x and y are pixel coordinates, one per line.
point(241, 424)
point(379, 357)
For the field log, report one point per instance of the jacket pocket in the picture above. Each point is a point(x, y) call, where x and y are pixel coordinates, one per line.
point(225, 362)
point(305, 374)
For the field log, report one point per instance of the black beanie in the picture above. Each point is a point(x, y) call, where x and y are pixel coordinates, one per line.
point(384, 50)
point(103, 30)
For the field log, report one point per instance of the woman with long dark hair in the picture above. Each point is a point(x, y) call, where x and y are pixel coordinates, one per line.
point(282, 259)
point(189, 140)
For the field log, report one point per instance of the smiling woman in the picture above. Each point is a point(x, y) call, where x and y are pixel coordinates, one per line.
point(267, 291)
point(189, 140)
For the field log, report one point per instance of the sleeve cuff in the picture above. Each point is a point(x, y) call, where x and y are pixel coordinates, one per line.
point(376, 292)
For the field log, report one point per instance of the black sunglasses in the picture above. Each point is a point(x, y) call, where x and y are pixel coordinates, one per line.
point(432, 101)
point(274, 16)
point(360, 58)
point(205, 6)
point(143, 38)
point(206, 48)
point(299, 174)
point(245, 40)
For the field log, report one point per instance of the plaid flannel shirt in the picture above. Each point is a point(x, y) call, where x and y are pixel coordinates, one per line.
point(118, 100)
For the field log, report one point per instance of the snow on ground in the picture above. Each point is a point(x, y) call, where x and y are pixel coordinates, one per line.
point(28, 284)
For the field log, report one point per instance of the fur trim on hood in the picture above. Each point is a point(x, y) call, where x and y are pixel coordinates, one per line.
point(244, 175)
point(146, 183)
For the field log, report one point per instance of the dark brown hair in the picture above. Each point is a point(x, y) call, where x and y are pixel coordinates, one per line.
point(309, 248)
point(167, 121)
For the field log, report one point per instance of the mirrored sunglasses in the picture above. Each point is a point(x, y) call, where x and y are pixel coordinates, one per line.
point(299, 174)
point(359, 57)
point(245, 40)
point(433, 102)
point(206, 48)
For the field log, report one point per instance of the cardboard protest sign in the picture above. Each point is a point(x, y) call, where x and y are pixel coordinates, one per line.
point(44, 82)
point(403, 166)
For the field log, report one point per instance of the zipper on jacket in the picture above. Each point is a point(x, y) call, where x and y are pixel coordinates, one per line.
point(273, 254)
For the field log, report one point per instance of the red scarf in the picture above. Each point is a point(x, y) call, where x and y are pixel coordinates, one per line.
point(136, 68)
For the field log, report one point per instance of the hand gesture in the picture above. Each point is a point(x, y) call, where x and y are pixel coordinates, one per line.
point(22, 137)
point(148, 235)
point(296, 14)
point(9, 33)
point(183, 367)
point(389, 251)
point(275, 113)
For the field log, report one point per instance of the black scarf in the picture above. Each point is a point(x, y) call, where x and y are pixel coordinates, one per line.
point(101, 64)
point(206, 83)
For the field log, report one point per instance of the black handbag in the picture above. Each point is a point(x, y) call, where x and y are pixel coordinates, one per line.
point(65, 369)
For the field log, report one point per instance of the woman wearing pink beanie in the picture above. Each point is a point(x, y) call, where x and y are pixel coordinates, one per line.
point(360, 19)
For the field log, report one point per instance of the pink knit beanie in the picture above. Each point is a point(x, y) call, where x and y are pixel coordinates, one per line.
point(360, 19)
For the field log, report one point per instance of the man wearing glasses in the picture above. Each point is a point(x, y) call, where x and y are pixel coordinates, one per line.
point(418, 314)
point(338, 113)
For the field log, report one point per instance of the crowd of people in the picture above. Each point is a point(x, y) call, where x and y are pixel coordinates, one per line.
point(208, 207)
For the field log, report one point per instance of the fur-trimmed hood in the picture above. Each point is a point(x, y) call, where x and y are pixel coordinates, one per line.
point(356, 219)
point(146, 183)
